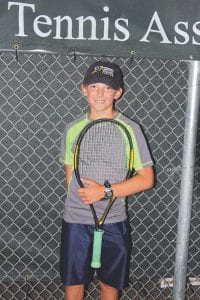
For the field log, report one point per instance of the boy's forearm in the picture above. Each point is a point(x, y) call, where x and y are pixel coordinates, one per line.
point(68, 169)
point(143, 180)
point(93, 191)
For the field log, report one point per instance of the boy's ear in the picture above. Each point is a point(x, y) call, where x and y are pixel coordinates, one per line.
point(119, 93)
point(84, 90)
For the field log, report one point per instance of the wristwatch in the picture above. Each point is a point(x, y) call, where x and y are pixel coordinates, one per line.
point(108, 192)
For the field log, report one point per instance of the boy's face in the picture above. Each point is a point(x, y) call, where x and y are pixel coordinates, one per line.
point(100, 96)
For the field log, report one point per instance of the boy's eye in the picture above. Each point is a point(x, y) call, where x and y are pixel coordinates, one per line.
point(95, 86)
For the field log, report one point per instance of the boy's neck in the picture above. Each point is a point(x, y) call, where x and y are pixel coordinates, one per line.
point(100, 115)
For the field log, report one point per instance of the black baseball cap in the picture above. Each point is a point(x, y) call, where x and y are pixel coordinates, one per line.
point(104, 72)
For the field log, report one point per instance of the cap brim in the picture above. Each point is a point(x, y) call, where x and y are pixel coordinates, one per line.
point(106, 80)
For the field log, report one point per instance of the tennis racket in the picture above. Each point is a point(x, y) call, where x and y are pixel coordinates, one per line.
point(104, 153)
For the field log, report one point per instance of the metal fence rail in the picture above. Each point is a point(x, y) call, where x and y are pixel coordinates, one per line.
point(39, 94)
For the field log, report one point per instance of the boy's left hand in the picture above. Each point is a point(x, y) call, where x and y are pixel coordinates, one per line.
point(92, 192)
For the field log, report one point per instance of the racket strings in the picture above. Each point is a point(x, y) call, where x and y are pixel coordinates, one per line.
point(103, 153)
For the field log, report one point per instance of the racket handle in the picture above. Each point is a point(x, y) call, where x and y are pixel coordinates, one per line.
point(96, 252)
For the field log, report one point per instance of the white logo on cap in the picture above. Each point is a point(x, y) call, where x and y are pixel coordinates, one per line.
point(104, 70)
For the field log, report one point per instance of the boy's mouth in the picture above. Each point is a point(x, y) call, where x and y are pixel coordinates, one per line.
point(99, 101)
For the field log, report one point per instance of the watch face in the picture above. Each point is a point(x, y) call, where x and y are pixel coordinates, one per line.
point(108, 193)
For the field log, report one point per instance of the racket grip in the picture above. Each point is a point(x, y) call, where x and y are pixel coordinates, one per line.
point(97, 246)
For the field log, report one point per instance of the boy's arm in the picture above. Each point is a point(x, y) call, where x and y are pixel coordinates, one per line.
point(143, 180)
point(68, 171)
point(93, 192)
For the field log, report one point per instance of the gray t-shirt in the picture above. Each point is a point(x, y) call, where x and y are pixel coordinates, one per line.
point(77, 212)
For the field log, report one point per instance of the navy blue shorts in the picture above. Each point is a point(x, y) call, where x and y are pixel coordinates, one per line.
point(76, 252)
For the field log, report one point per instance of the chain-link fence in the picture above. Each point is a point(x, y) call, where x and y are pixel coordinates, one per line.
point(39, 94)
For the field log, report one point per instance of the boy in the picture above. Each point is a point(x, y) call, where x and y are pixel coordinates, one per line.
point(102, 85)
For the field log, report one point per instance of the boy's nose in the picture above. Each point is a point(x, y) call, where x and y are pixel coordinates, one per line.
point(100, 91)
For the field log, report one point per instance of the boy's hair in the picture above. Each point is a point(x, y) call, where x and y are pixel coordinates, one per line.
point(104, 72)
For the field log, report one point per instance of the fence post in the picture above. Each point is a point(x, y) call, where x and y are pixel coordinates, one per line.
point(187, 179)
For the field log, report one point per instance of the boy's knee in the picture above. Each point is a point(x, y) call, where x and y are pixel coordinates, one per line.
point(108, 292)
point(74, 292)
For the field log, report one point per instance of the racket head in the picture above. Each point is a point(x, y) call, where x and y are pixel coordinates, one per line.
point(104, 151)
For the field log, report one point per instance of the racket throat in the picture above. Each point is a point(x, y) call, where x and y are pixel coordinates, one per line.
point(100, 223)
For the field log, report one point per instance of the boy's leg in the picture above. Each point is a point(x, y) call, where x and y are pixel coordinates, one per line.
point(74, 292)
point(108, 292)
point(114, 270)
point(75, 268)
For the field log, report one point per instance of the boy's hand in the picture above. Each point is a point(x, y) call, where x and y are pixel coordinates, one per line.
point(92, 192)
